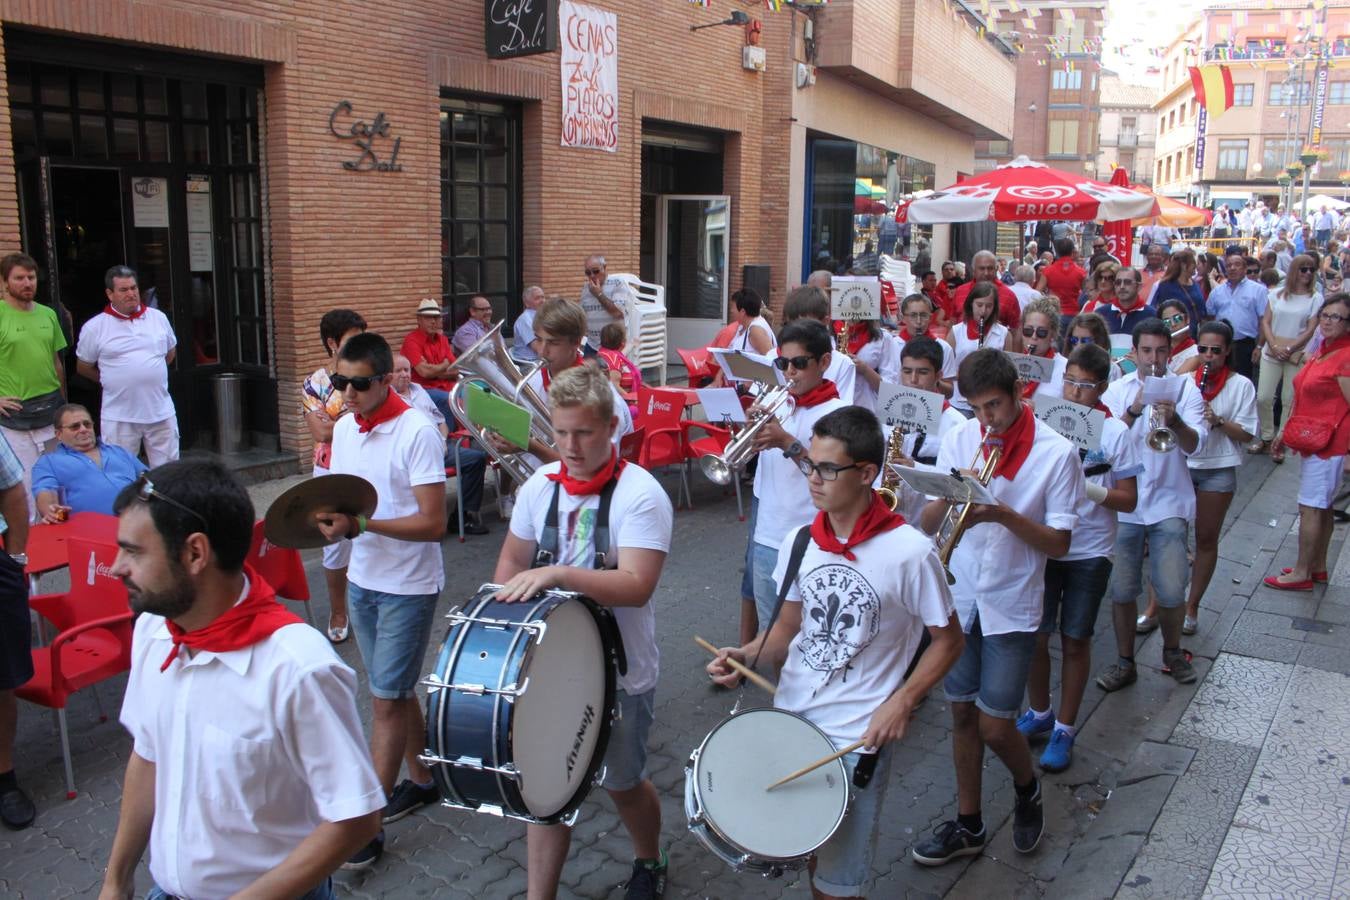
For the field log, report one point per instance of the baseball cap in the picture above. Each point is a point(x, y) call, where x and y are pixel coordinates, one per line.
point(428, 306)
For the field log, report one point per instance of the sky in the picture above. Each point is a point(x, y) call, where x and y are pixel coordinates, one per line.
point(1134, 27)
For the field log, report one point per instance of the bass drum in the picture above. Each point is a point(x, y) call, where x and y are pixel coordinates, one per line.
point(520, 704)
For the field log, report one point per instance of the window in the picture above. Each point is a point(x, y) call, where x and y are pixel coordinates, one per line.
point(1061, 80)
point(1232, 159)
point(1338, 93)
point(1190, 159)
point(1340, 156)
point(1063, 137)
point(1292, 94)
point(1070, 37)
point(1242, 94)
point(1169, 168)
point(1277, 154)
point(1160, 172)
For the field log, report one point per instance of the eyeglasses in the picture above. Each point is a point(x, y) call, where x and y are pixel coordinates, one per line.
point(1208, 349)
point(1030, 331)
point(145, 490)
point(1082, 385)
point(360, 382)
point(79, 426)
point(826, 471)
point(1124, 280)
point(1306, 270)
point(594, 271)
point(1075, 341)
point(796, 362)
point(1332, 317)
point(481, 309)
point(1174, 320)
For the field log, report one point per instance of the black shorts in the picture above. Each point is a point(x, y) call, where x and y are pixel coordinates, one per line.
point(16, 651)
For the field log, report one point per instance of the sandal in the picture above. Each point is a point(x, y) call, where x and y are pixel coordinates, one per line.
point(338, 635)
point(1277, 453)
point(1256, 448)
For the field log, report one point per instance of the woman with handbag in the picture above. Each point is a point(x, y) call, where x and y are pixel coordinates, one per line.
point(1289, 322)
point(1319, 430)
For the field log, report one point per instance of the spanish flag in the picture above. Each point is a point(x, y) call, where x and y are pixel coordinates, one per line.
point(1213, 88)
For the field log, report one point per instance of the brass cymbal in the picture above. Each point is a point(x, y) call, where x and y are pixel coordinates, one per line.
point(290, 518)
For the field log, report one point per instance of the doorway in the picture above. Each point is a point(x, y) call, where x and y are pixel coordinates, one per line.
point(693, 234)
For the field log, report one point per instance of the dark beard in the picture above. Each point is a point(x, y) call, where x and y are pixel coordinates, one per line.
point(172, 602)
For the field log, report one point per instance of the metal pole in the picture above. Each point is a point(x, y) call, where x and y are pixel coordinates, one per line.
point(1315, 42)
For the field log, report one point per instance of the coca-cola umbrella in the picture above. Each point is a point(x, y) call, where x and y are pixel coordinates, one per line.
point(1023, 190)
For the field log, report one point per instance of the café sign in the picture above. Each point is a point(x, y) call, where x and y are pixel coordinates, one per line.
point(376, 149)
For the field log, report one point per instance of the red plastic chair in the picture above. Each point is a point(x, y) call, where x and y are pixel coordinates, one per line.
point(696, 364)
point(659, 415)
point(281, 567)
point(94, 639)
point(714, 440)
point(630, 445)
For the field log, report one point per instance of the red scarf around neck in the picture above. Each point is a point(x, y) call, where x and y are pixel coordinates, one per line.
point(575, 487)
point(1102, 406)
point(242, 625)
point(1029, 389)
point(826, 390)
point(973, 329)
point(859, 336)
point(1182, 347)
point(878, 519)
point(905, 334)
point(392, 407)
point(1216, 381)
point(1016, 442)
point(110, 310)
point(548, 379)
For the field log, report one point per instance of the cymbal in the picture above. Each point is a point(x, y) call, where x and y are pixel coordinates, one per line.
point(290, 518)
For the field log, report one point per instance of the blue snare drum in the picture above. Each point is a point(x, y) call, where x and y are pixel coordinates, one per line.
point(520, 704)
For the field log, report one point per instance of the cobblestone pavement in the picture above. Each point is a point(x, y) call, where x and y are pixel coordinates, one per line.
point(1234, 785)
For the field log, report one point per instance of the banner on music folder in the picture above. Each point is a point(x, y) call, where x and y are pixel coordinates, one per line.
point(910, 408)
point(1081, 425)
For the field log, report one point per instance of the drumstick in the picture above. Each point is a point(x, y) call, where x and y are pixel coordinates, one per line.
point(738, 666)
point(817, 764)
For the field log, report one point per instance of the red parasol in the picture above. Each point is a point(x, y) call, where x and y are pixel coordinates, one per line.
point(1119, 233)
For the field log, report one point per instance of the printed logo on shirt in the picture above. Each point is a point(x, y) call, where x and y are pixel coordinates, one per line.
point(839, 619)
point(578, 536)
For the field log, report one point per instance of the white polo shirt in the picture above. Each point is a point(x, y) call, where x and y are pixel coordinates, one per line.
point(1175, 361)
point(999, 575)
point(640, 517)
point(1165, 489)
point(1095, 534)
point(1236, 403)
point(253, 750)
point(910, 502)
point(780, 487)
point(883, 355)
point(130, 355)
point(842, 372)
point(395, 456)
point(1054, 388)
point(948, 357)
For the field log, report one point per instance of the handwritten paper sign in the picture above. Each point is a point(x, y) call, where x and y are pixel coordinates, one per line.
point(1082, 425)
point(910, 408)
point(590, 77)
point(855, 299)
point(1033, 368)
point(519, 27)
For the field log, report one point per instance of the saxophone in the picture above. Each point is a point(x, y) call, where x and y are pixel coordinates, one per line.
point(890, 481)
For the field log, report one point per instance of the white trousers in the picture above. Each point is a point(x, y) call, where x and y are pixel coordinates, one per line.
point(160, 439)
point(28, 446)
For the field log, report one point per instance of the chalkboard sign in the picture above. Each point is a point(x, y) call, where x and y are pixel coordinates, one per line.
point(520, 27)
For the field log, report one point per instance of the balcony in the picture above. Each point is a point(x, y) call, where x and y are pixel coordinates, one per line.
point(904, 51)
point(1338, 49)
point(1127, 139)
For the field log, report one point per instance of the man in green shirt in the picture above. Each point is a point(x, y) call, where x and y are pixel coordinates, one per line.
point(32, 376)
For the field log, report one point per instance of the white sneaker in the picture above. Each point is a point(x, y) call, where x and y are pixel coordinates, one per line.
point(505, 506)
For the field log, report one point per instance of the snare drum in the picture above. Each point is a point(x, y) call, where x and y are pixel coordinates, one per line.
point(732, 814)
point(520, 704)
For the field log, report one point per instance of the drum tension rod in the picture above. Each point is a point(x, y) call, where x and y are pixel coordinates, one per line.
point(470, 762)
point(511, 691)
point(538, 628)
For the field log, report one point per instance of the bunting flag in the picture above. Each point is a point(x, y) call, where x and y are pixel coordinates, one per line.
point(1213, 88)
point(1014, 7)
point(773, 5)
point(702, 3)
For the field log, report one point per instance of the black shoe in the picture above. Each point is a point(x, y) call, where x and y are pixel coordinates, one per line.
point(16, 809)
point(1028, 822)
point(368, 855)
point(474, 525)
point(949, 841)
point(407, 798)
point(647, 882)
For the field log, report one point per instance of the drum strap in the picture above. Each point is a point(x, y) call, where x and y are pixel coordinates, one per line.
point(546, 550)
point(789, 575)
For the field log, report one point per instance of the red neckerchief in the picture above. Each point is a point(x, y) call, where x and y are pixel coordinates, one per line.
point(548, 379)
point(878, 519)
point(973, 329)
point(392, 407)
point(859, 336)
point(140, 311)
point(1103, 408)
point(575, 488)
point(1030, 387)
point(826, 390)
point(904, 333)
point(1016, 441)
point(243, 625)
point(1216, 381)
point(1184, 345)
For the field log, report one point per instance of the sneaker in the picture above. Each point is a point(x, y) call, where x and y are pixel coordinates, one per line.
point(949, 841)
point(409, 797)
point(368, 855)
point(1177, 663)
point(1031, 726)
point(1144, 624)
point(1028, 822)
point(1190, 624)
point(647, 880)
point(505, 506)
point(1117, 676)
point(16, 809)
point(1059, 752)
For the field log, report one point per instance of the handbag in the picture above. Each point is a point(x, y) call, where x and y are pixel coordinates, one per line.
point(1307, 435)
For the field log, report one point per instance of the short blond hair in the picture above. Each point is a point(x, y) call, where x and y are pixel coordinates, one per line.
point(561, 319)
point(583, 385)
point(1046, 307)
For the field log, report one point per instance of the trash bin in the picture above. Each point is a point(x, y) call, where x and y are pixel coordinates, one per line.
point(229, 394)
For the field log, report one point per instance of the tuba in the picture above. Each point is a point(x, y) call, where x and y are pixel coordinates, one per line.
point(722, 469)
point(890, 482)
point(489, 362)
point(953, 524)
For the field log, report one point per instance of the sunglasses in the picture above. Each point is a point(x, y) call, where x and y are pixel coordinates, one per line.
point(826, 471)
point(1208, 350)
point(1254, 271)
point(1082, 385)
point(796, 362)
point(145, 491)
point(79, 426)
point(1031, 331)
point(1124, 281)
point(1174, 320)
point(1075, 341)
point(361, 382)
point(1306, 270)
point(594, 271)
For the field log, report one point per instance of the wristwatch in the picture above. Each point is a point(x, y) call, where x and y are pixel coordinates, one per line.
point(794, 450)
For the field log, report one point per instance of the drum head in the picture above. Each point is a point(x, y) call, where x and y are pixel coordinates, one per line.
point(557, 721)
point(750, 751)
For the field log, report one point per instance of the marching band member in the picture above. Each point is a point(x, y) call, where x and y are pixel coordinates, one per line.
point(813, 302)
point(1178, 321)
point(919, 362)
point(1076, 582)
point(916, 317)
point(589, 490)
point(999, 568)
point(1040, 337)
point(876, 358)
point(979, 328)
point(848, 679)
point(782, 496)
point(1166, 504)
point(1090, 328)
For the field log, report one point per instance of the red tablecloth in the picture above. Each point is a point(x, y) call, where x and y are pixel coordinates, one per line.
point(47, 543)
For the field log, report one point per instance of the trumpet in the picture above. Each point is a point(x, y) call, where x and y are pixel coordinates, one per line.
point(1161, 439)
point(890, 482)
point(954, 525)
point(841, 339)
point(722, 469)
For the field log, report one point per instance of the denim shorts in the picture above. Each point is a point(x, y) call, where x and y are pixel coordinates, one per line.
point(1219, 481)
point(391, 632)
point(626, 755)
point(322, 892)
point(748, 576)
point(844, 862)
point(992, 671)
point(1074, 589)
point(764, 560)
point(1168, 570)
